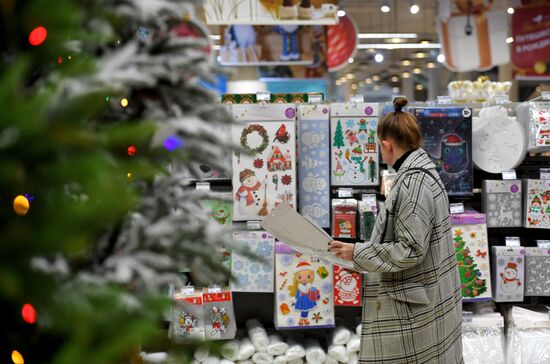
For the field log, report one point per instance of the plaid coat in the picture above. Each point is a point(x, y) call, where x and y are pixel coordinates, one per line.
point(412, 311)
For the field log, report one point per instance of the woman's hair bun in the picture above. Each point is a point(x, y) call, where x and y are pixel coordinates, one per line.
point(399, 103)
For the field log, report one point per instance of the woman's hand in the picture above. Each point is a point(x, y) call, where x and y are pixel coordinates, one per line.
point(342, 250)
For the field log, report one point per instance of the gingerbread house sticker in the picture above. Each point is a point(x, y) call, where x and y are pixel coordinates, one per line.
point(277, 161)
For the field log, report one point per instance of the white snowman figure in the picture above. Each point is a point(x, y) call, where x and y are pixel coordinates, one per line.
point(312, 139)
point(248, 195)
point(510, 281)
point(314, 183)
point(347, 287)
point(314, 211)
point(356, 174)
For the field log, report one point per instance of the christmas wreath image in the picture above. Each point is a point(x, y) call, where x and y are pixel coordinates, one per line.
point(251, 129)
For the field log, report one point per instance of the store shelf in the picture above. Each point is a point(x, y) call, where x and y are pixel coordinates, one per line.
point(323, 21)
point(268, 63)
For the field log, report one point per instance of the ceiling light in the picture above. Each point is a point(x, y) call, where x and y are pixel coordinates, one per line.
point(350, 76)
point(419, 87)
point(341, 13)
point(441, 58)
point(417, 71)
point(354, 86)
point(376, 78)
point(385, 8)
point(395, 89)
point(379, 57)
point(406, 75)
point(406, 62)
point(394, 79)
point(424, 41)
point(509, 40)
point(368, 81)
point(350, 60)
point(420, 55)
point(510, 11)
point(430, 65)
point(371, 50)
point(376, 88)
point(399, 46)
point(414, 9)
point(338, 83)
point(387, 35)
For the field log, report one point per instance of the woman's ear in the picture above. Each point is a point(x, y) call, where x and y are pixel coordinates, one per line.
point(387, 145)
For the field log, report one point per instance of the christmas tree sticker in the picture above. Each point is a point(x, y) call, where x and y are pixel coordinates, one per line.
point(372, 169)
point(338, 136)
point(472, 286)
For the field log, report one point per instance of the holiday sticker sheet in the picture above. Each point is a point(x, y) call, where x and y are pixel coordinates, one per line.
point(304, 290)
point(267, 174)
point(219, 209)
point(502, 202)
point(253, 275)
point(220, 321)
point(447, 138)
point(354, 144)
point(536, 117)
point(508, 273)
point(347, 287)
point(472, 253)
point(537, 199)
point(313, 151)
point(187, 316)
point(537, 271)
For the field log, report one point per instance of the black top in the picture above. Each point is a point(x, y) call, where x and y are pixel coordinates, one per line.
point(401, 159)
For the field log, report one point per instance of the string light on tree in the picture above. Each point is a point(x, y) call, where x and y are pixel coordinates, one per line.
point(17, 358)
point(172, 143)
point(29, 314)
point(59, 60)
point(37, 36)
point(21, 205)
point(132, 150)
point(124, 102)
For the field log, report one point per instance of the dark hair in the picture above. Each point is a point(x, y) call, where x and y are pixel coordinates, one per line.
point(401, 126)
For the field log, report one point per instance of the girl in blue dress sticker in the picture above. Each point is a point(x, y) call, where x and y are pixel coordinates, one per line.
point(302, 289)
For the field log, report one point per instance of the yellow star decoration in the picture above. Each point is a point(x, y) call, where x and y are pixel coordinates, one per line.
point(458, 232)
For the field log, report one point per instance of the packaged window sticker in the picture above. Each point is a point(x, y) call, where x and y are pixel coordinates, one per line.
point(368, 211)
point(344, 218)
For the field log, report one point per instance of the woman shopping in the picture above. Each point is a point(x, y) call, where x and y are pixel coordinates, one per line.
point(412, 309)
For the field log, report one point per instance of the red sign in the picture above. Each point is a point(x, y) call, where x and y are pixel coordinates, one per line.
point(531, 46)
point(341, 43)
point(347, 287)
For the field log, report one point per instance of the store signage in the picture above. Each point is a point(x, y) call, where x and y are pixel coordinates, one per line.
point(545, 244)
point(457, 208)
point(511, 174)
point(531, 33)
point(341, 43)
point(345, 192)
point(370, 199)
point(512, 241)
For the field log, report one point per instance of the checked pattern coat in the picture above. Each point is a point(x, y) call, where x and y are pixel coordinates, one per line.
point(412, 309)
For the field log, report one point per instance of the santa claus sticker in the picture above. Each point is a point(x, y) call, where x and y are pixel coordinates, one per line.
point(264, 166)
point(347, 287)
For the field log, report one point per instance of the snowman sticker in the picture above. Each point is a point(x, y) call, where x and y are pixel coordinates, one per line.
point(510, 282)
point(248, 195)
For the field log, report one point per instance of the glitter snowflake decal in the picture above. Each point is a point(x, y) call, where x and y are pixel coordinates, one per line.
point(286, 180)
point(258, 163)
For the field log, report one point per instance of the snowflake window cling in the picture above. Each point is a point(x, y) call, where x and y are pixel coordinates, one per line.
point(537, 271)
point(502, 202)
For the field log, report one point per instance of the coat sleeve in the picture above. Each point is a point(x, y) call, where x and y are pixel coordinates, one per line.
point(413, 226)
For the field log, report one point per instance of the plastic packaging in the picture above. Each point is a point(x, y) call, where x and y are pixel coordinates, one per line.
point(344, 218)
point(367, 216)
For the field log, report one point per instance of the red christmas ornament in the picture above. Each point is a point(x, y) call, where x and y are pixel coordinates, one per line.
point(132, 150)
point(37, 36)
point(28, 313)
point(59, 60)
point(467, 274)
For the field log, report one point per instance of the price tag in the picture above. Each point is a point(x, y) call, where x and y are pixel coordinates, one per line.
point(263, 96)
point(369, 198)
point(502, 99)
point(345, 192)
point(545, 173)
point(357, 98)
point(444, 100)
point(543, 244)
point(512, 241)
point(214, 289)
point(511, 174)
point(467, 316)
point(315, 98)
point(203, 186)
point(187, 290)
point(457, 208)
point(253, 225)
point(545, 95)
